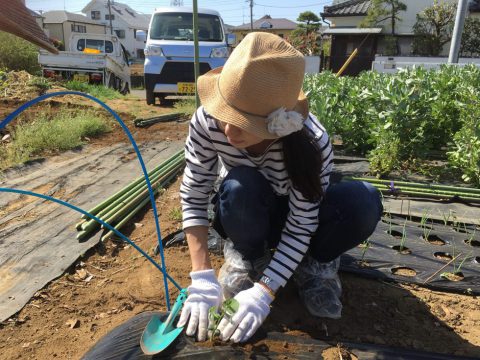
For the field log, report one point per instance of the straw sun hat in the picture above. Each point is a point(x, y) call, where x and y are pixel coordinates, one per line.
point(262, 79)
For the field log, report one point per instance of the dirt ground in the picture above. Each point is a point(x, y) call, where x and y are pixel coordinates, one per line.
point(112, 283)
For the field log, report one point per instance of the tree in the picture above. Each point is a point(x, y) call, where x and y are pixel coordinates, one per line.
point(433, 28)
point(382, 10)
point(310, 22)
point(470, 45)
point(308, 44)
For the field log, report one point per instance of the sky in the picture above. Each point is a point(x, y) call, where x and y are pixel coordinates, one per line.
point(233, 12)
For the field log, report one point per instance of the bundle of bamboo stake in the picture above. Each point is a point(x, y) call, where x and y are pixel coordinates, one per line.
point(119, 208)
point(432, 191)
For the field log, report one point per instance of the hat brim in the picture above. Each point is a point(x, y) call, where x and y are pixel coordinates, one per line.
point(215, 105)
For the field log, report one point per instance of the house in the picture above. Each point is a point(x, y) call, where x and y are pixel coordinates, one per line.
point(60, 24)
point(16, 19)
point(124, 22)
point(282, 27)
point(345, 17)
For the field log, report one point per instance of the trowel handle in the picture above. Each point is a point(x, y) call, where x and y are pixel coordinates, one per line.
point(176, 307)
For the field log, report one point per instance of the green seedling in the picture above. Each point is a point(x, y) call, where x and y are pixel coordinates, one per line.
point(423, 223)
point(404, 236)
point(472, 235)
point(366, 245)
point(446, 219)
point(456, 269)
point(215, 316)
point(424, 219)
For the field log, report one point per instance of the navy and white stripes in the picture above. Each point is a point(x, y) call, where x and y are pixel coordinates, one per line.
point(207, 150)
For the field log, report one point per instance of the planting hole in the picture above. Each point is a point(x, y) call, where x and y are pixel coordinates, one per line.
point(443, 256)
point(395, 233)
point(338, 352)
point(402, 249)
point(477, 259)
point(474, 243)
point(403, 271)
point(458, 276)
point(434, 240)
point(388, 222)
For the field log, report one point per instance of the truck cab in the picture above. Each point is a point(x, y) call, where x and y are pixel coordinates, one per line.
point(169, 50)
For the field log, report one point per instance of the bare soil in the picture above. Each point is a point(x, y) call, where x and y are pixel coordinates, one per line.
point(112, 283)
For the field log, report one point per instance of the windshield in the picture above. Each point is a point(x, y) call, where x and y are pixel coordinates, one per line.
point(178, 26)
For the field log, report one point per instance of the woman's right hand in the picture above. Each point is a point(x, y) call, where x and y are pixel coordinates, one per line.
point(204, 293)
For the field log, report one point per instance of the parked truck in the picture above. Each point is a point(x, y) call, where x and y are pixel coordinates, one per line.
point(92, 58)
point(169, 50)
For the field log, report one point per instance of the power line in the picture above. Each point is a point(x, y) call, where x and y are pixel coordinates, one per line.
point(293, 7)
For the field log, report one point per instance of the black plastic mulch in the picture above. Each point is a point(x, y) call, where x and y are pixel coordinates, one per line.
point(123, 343)
point(383, 258)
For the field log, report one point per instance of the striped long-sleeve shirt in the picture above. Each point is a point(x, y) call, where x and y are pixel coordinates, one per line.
point(207, 149)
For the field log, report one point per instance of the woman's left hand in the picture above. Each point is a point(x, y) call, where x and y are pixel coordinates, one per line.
point(254, 307)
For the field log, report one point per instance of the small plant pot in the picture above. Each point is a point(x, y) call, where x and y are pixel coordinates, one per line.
point(403, 271)
point(443, 256)
point(434, 240)
point(402, 249)
point(458, 276)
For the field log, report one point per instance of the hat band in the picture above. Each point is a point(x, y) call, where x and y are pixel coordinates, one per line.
point(233, 106)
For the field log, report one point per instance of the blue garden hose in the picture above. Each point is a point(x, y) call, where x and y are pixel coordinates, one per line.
point(162, 268)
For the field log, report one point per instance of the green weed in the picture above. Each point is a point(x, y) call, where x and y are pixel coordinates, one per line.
point(99, 91)
point(175, 214)
point(47, 135)
point(185, 106)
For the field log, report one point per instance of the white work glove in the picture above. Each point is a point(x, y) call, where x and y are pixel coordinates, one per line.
point(253, 308)
point(203, 293)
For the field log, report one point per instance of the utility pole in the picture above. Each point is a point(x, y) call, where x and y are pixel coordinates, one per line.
point(462, 8)
point(110, 16)
point(251, 15)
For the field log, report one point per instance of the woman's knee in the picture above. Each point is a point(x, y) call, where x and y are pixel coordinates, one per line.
point(360, 203)
point(244, 183)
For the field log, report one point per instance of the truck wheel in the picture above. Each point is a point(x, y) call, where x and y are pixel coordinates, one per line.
point(112, 82)
point(150, 97)
point(125, 90)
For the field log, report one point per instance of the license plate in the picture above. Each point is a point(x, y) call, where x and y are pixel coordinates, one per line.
point(81, 77)
point(186, 88)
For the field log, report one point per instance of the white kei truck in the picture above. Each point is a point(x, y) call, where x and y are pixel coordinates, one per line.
point(92, 58)
point(169, 50)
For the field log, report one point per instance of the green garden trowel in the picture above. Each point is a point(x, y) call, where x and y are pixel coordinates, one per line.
point(158, 335)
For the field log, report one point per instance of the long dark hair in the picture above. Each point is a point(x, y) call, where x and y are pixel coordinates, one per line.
point(303, 161)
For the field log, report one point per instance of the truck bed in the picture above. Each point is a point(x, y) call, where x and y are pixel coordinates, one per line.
point(73, 60)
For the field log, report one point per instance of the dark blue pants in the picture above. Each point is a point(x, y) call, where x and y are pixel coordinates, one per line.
point(249, 213)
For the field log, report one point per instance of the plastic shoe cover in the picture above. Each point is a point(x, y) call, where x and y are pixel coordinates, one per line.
point(320, 288)
point(237, 274)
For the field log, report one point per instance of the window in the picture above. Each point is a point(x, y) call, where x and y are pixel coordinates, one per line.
point(103, 46)
point(95, 15)
point(120, 34)
point(178, 26)
point(109, 17)
point(79, 28)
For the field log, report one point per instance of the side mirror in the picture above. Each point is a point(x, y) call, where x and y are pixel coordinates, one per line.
point(231, 39)
point(141, 35)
